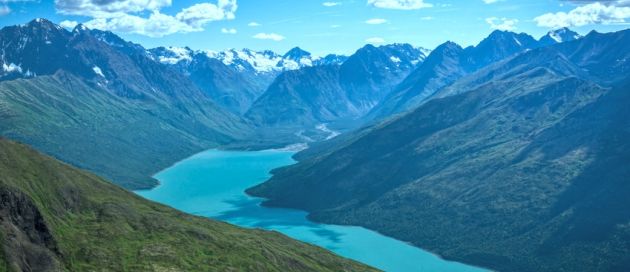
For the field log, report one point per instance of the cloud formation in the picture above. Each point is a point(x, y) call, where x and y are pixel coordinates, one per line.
point(589, 14)
point(269, 36)
point(502, 23)
point(4, 10)
point(253, 24)
point(228, 30)
point(126, 15)
point(376, 21)
point(331, 4)
point(68, 24)
point(399, 4)
point(107, 8)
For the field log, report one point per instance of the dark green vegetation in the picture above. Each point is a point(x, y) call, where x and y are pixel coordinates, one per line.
point(330, 93)
point(54, 217)
point(522, 166)
point(102, 104)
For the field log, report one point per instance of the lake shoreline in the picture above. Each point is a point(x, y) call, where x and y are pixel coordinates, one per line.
point(367, 249)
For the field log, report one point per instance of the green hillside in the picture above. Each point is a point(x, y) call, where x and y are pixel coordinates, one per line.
point(527, 173)
point(122, 139)
point(55, 217)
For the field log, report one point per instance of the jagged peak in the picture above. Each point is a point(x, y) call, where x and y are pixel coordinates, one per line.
point(80, 28)
point(296, 53)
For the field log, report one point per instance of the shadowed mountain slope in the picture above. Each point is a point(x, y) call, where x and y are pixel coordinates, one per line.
point(524, 171)
point(100, 103)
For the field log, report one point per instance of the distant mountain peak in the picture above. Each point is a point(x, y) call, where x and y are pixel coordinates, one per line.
point(80, 28)
point(296, 54)
point(40, 21)
point(559, 35)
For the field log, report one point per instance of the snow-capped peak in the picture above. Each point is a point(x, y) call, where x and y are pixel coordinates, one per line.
point(563, 35)
point(559, 36)
point(172, 55)
point(246, 59)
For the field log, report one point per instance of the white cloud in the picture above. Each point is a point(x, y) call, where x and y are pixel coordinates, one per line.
point(331, 4)
point(253, 24)
point(375, 40)
point(375, 21)
point(68, 24)
point(126, 15)
point(490, 1)
point(399, 4)
point(228, 30)
point(427, 18)
point(590, 14)
point(156, 25)
point(199, 14)
point(335, 26)
point(4, 10)
point(502, 23)
point(101, 9)
point(269, 36)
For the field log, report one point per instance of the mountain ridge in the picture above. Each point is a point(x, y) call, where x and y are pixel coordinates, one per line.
point(497, 175)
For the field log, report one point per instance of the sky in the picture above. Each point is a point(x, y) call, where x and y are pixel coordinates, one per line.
point(319, 26)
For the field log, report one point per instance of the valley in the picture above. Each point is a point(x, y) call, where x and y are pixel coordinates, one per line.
point(506, 154)
point(212, 184)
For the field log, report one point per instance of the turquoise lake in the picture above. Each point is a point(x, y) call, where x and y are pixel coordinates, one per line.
point(212, 184)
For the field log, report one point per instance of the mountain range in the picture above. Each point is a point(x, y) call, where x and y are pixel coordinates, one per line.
point(236, 78)
point(449, 62)
point(510, 154)
point(100, 103)
point(518, 166)
point(329, 93)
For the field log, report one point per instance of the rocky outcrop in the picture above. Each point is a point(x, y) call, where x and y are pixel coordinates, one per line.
point(27, 241)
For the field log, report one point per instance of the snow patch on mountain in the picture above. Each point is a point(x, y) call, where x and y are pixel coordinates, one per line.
point(176, 54)
point(97, 70)
point(246, 59)
point(11, 68)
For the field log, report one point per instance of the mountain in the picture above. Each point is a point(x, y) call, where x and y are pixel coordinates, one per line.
point(446, 64)
point(58, 218)
point(522, 170)
point(236, 78)
point(330, 59)
point(232, 89)
point(100, 103)
point(322, 94)
point(558, 36)
point(249, 61)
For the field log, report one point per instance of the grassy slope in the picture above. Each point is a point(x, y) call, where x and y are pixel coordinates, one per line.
point(479, 177)
point(98, 226)
point(123, 140)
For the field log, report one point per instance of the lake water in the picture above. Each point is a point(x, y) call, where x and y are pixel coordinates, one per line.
point(212, 184)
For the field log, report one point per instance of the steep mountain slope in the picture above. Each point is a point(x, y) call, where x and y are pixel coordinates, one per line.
point(55, 218)
point(523, 172)
point(232, 89)
point(330, 93)
point(445, 65)
point(102, 104)
point(236, 78)
point(601, 58)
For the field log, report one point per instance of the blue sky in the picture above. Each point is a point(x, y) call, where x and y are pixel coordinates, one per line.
point(321, 27)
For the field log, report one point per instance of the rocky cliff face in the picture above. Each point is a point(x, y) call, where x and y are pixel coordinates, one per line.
point(25, 237)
